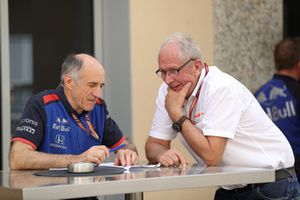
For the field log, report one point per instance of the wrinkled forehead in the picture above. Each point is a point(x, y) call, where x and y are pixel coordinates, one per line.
point(169, 55)
point(92, 72)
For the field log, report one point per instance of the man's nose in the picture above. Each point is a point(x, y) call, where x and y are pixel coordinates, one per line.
point(168, 79)
point(97, 92)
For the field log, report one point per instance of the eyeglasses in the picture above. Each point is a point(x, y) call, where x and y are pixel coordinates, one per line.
point(172, 72)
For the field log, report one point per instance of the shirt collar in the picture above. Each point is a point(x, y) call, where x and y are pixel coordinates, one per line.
point(199, 82)
point(61, 94)
point(284, 77)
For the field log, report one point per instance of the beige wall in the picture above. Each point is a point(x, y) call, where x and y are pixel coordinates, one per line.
point(151, 22)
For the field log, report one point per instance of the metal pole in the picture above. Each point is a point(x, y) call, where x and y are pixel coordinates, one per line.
point(5, 82)
point(134, 196)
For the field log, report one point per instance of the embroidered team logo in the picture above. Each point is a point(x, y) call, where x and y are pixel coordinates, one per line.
point(27, 129)
point(59, 139)
point(61, 124)
point(275, 93)
point(197, 117)
point(59, 142)
point(285, 109)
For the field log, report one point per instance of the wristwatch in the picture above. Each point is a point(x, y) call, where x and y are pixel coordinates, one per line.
point(177, 126)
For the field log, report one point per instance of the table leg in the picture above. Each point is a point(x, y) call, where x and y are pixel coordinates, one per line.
point(134, 196)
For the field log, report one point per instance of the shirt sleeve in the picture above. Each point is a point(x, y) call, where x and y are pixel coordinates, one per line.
point(162, 124)
point(222, 111)
point(31, 125)
point(113, 135)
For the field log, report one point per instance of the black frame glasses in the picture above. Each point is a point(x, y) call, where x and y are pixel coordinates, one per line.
point(172, 72)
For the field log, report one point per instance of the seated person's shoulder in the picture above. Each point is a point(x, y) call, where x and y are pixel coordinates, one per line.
point(43, 97)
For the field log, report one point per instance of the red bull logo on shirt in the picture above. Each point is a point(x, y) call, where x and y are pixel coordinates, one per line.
point(61, 124)
point(276, 113)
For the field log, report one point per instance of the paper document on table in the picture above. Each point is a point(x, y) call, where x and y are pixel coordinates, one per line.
point(133, 168)
point(58, 168)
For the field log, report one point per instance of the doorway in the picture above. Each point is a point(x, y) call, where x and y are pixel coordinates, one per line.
point(42, 34)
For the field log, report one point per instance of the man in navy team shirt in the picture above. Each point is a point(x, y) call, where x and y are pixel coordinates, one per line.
point(69, 124)
point(280, 96)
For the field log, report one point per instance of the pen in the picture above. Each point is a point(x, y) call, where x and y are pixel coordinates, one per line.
point(117, 148)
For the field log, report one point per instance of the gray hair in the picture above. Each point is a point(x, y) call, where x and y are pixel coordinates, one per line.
point(71, 66)
point(188, 48)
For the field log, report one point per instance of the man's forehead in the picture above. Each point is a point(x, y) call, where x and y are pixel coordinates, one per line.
point(89, 61)
point(92, 74)
point(169, 53)
point(92, 67)
point(169, 60)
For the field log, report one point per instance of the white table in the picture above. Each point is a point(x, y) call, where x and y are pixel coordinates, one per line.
point(24, 185)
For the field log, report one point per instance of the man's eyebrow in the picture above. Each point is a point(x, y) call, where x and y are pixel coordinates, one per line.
point(170, 68)
point(92, 83)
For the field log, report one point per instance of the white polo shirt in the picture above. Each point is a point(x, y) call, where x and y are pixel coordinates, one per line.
point(226, 108)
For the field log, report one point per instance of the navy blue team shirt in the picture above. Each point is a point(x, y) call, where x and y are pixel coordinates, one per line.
point(280, 98)
point(48, 126)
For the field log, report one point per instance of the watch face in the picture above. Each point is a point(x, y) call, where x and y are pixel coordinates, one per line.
point(176, 127)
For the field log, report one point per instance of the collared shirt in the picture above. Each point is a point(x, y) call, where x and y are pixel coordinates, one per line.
point(231, 111)
point(48, 126)
point(280, 98)
point(190, 108)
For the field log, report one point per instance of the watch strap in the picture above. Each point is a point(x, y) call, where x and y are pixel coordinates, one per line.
point(182, 119)
point(177, 126)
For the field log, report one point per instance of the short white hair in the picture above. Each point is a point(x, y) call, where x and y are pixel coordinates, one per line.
point(188, 48)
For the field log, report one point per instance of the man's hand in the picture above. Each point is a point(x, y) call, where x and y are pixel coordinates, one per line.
point(174, 101)
point(172, 157)
point(126, 157)
point(95, 154)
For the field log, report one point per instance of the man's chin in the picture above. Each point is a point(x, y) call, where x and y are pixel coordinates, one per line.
point(177, 89)
point(89, 107)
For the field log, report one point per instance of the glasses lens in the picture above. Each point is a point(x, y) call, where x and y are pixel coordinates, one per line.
point(163, 74)
point(158, 73)
point(173, 72)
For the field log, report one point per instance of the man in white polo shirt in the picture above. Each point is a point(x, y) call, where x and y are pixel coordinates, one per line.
point(218, 121)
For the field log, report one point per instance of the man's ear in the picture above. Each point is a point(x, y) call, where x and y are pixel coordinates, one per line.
point(68, 81)
point(198, 64)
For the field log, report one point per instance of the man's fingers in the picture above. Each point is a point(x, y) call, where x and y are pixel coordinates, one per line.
point(173, 157)
point(126, 158)
point(181, 158)
point(96, 154)
point(132, 159)
point(103, 149)
point(186, 87)
point(122, 158)
point(170, 161)
point(117, 161)
point(164, 163)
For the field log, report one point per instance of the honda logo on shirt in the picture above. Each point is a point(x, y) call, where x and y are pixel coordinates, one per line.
point(59, 139)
